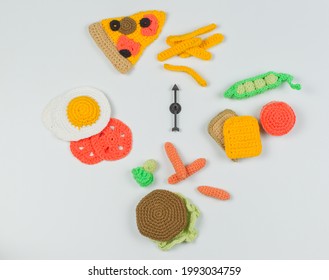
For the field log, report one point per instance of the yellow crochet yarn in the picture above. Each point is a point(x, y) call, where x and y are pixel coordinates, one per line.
point(82, 111)
point(242, 137)
point(207, 43)
point(136, 36)
point(201, 81)
point(200, 31)
point(179, 48)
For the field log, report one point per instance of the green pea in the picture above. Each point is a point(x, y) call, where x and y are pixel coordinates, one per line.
point(271, 79)
point(259, 83)
point(249, 86)
point(240, 89)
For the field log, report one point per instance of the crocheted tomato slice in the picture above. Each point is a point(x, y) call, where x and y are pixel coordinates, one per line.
point(277, 118)
point(84, 151)
point(114, 142)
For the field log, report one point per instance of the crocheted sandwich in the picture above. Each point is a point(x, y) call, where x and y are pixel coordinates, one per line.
point(167, 218)
point(123, 39)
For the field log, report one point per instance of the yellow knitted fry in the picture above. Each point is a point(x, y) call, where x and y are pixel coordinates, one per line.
point(179, 48)
point(207, 43)
point(197, 52)
point(200, 31)
point(187, 70)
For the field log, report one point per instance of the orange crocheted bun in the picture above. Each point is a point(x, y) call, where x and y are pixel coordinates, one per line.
point(277, 118)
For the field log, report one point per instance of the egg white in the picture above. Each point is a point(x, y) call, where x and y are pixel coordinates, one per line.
point(55, 117)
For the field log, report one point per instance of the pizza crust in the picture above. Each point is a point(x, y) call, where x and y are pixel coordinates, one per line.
point(122, 64)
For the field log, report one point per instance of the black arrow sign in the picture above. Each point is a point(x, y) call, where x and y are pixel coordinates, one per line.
point(175, 107)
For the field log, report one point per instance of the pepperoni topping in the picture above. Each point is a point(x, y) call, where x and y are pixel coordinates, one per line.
point(149, 24)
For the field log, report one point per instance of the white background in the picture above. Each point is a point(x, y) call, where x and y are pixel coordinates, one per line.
point(54, 207)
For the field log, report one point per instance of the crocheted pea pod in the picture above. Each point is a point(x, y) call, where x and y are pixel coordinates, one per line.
point(259, 84)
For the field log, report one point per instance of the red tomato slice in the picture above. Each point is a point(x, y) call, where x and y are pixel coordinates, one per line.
point(84, 151)
point(114, 141)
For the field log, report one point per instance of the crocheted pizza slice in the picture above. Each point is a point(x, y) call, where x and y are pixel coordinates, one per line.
point(123, 39)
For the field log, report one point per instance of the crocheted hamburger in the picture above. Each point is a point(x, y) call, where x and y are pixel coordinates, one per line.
point(123, 39)
point(167, 218)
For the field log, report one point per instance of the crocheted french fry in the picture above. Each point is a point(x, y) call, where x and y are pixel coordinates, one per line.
point(197, 32)
point(201, 81)
point(179, 48)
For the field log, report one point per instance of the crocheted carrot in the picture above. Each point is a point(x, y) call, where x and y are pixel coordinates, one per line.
point(214, 192)
point(191, 169)
point(175, 160)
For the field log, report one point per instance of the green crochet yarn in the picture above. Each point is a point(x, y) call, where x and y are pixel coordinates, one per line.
point(259, 84)
point(189, 233)
point(143, 175)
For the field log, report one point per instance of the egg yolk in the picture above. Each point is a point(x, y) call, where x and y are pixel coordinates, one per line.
point(82, 111)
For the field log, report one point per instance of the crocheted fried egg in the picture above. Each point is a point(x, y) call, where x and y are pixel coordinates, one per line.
point(77, 114)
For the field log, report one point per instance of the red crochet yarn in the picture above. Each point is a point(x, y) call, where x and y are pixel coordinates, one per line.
point(114, 141)
point(84, 151)
point(277, 118)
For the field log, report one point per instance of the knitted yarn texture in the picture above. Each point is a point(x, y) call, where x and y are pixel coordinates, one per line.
point(144, 175)
point(259, 84)
point(124, 39)
point(167, 218)
point(242, 137)
point(277, 118)
point(214, 192)
point(77, 114)
point(161, 215)
point(215, 127)
point(114, 142)
point(190, 233)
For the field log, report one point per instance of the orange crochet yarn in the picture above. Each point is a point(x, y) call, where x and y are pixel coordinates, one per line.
point(277, 118)
point(175, 160)
point(191, 169)
point(214, 192)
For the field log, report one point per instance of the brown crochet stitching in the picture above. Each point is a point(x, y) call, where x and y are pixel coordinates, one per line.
point(161, 215)
point(104, 43)
point(215, 127)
